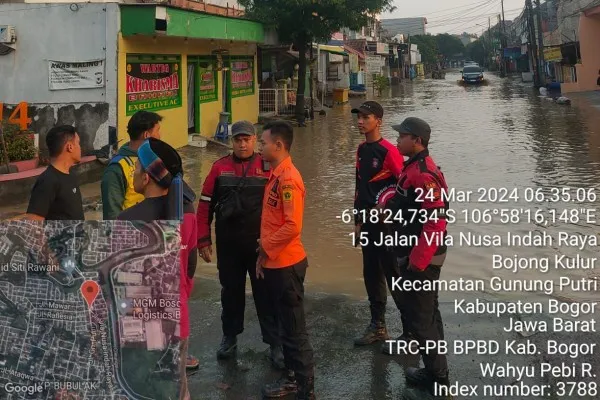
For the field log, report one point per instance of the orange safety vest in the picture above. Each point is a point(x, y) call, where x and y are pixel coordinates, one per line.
point(281, 221)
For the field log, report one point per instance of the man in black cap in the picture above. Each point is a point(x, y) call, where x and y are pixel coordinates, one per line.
point(420, 187)
point(378, 165)
point(233, 192)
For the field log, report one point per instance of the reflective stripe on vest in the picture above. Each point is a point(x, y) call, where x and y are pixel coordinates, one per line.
point(131, 197)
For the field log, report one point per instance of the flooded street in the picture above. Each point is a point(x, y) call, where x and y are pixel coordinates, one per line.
point(496, 136)
point(501, 135)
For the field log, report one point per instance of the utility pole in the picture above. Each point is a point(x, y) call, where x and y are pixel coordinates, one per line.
point(311, 82)
point(399, 62)
point(491, 46)
point(541, 67)
point(532, 44)
point(409, 59)
point(501, 47)
point(503, 41)
point(483, 43)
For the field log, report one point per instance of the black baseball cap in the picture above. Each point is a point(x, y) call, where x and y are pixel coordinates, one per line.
point(414, 126)
point(369, 107)
point(243, 128)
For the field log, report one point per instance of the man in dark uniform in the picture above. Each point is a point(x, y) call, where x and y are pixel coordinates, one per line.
point(233, 191)
point(420, 187)
point(378, 165)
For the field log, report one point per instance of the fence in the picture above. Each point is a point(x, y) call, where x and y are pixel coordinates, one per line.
point(273, 102)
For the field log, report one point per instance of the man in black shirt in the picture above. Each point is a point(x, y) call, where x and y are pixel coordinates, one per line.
point(378, 165)
point(56, 194)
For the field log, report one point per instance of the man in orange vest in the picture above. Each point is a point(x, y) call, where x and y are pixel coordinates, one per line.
point(282, 261)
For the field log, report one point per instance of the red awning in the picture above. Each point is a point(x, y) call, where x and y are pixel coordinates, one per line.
point(353, 51)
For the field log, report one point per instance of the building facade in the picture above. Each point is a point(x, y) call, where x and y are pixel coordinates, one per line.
point(212, 58)
point(588, 67)
point(93, 65)
point(42, 37)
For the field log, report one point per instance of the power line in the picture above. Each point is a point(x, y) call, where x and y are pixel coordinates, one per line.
point(444, 18)
point(468, 17)
point(488, 15)
point(475, 18)
point(454, 9)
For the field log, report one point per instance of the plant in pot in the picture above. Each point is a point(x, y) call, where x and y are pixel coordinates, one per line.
point(20, 147)
point(380, 83)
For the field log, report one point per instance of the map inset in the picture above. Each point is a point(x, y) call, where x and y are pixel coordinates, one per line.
point(89, 310)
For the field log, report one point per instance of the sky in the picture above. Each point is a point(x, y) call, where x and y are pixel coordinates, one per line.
point(456, 16)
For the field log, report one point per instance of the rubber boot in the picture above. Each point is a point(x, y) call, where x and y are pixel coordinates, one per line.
point(306, 389)
point(285, 386)
point(373, 333)
point(276, 357)
point(423, 378)
point(228, 348)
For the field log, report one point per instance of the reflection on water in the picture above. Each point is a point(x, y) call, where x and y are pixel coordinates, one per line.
point(499, 135)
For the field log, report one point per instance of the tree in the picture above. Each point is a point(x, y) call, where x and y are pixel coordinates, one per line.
point(476, 51)
point(427, 46)
point(449, 45)
point(302, 22)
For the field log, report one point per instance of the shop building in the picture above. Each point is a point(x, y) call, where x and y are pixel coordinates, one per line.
point(187, 66)
point(587, 70)
point(93, 65)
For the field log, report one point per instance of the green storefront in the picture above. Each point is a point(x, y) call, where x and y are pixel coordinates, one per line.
point(187, 66)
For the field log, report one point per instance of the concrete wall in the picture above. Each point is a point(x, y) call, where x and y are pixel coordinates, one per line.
point(587, 71)
point(568, 19)
point(56, 32)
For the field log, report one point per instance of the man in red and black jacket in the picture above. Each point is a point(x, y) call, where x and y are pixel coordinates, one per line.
point(233, 192)
point(419, 190)
point(378, 165)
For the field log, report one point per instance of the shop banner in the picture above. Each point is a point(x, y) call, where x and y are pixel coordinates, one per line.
point(374, 64)
point(153, 85)
point(553, 54)
point(75, 75)
point(242, 77)
point(207, 81)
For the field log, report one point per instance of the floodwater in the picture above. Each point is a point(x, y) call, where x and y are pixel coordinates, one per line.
point(501, 135)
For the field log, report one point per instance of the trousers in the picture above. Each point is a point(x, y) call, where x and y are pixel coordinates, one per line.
point(380, 266)
point(286, 292)
point(233, 266)
point(424, 318)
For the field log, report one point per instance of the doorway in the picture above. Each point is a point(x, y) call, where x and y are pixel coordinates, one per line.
point(191, 95)
point(225, 93)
